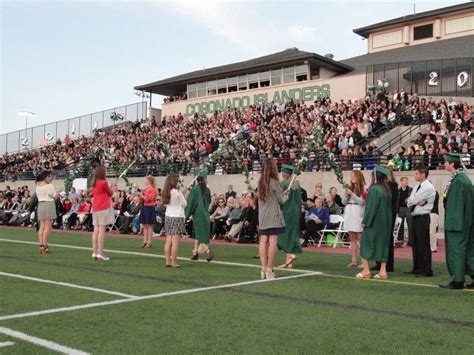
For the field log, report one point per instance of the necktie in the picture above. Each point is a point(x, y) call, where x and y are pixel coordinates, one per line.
point(412, 208)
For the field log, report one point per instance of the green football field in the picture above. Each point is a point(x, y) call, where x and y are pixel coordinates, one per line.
point(66, 302)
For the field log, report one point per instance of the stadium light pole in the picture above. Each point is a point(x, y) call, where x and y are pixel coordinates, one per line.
point(141, 94)
point(26, 114)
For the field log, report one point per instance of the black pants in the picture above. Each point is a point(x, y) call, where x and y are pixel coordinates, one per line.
point(312, 229)
point(421, 248)
point(217, 227)
point(391, 251)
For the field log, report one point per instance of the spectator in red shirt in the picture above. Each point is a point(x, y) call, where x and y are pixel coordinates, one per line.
point(102, 214)
point(147, 210)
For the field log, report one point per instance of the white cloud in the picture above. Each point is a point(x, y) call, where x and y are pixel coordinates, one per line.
point(244, 26)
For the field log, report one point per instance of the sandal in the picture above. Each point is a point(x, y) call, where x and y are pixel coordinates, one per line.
point(143, 245)
point(41, 250)
point(195, 256)
point(363, 276)
point(176, 266)
point(288, 264)
point(352, 264)
point(148, 245)
point(381, 277)
point(210, 255)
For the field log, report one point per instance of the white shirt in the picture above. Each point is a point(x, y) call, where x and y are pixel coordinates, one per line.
point(45, 193)
point(177, 203)
point(426, 192)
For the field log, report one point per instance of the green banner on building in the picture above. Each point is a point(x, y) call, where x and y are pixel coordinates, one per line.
point(309, 93)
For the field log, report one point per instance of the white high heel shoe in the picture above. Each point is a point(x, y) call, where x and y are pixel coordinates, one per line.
point(94, 256)
point(270, 275)
point(263, 274)
point(102, 257)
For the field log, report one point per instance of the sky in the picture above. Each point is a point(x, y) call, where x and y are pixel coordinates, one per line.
point(62, 59)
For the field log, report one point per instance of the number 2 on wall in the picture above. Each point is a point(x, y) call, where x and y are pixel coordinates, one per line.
point(433, 79)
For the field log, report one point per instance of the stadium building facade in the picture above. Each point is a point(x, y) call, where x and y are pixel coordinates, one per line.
point(430, 53)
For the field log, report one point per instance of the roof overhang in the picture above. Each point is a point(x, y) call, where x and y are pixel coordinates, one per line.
point(176, 84)
point(365, 31)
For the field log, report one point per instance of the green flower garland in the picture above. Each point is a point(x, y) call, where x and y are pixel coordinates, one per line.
point(317, 136)
point(88, 161)
point(157, 139)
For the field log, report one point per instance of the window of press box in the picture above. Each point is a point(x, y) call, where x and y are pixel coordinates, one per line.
point(192, 91)
point(422, 32)
point(202, 89)
point(232, 84)
point(253, 81)
point(264, 79)
point(212, 87)
point(243, 82)
point(222, 86)
point(289, 75)
point(301, 72)
point(276, 77)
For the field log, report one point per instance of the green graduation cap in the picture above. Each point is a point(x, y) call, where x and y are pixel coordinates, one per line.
point(453, 157)
point(381, 170)
point(285, 168)
point(200, 173)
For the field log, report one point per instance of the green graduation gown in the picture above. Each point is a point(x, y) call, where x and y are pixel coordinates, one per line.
point(458, 219)
point(33, 207)
point(198, 207)
point(289, 241)
point(375, 242)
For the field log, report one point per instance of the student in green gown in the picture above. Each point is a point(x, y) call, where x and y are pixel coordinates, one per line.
point(33, 207)
point(375, 241)
point(289, 241)
point(197, 207)
point(458, 221)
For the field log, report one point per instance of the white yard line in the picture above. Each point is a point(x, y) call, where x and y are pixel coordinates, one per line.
point(41, 342)
point(58, 283)
point(216, 262)
point(6, 343)
point(159, 295)
point(299, 271)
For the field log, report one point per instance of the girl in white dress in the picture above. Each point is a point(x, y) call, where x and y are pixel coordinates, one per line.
point(354, 202)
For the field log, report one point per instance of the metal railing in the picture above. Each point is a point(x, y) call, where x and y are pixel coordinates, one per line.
point(76, 127)
point(229, 166)
point(415, 125)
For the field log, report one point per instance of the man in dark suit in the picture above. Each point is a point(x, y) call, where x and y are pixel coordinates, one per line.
point(230, 192)
point(132, 211)
point(430, 159)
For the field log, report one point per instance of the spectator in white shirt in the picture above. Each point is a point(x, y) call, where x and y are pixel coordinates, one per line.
point(174, 219)
point(421, 203)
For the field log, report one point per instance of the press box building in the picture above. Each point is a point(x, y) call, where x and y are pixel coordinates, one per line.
point(430, 53)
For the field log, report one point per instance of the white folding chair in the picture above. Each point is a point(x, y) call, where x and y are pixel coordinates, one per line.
point(396, 230)
point(114, 226)
point(338, 233)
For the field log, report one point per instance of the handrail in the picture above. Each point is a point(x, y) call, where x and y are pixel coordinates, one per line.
point(229, 166)
point(415, 125)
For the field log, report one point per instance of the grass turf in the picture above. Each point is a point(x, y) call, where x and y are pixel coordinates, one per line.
point(334, 313)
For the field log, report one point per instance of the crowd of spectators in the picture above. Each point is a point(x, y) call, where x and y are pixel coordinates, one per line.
point(234, 217)
point(174, 98)
point(450, 129)
point(278, 130)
